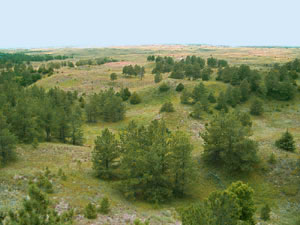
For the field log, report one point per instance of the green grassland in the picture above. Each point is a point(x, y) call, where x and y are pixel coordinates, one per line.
point(277, 184)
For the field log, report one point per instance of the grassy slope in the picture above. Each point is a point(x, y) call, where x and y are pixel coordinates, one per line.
point(273, 184)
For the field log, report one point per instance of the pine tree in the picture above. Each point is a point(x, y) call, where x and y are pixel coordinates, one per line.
point(245, 90)
point(104, 206)
point(37, 209)
point(182, 164)
point(179, 87)
point(135, 99)
point(90, 211)
point(286, 142)
point(7, 142)
point(227, 143)
point(76, 122)
point(186, 97)
point(167, 107)
point(157, 78)
point(211, 98)
point(105, 153)
point(164, 87)
point(199, 92)
point(221, 103)
point(256, 107)
point(197, 111)
point(125, 94)
point(113, 76)
point(265, 212)
point(227, 207)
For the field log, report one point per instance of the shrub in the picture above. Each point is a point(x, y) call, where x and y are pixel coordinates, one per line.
point(272, 159)
point(286, 142)
point(90, 211)
point(139, 222)
point(179, 87)
point(186, 97)
point(125, 94)
point(265, 212)
point(164, 87)
point(256, 107)
point(104, 206)
point(167, 107)
point(157, 78)
point(113, 76)
point(35, 143)
point(135, 99)
point(211, 98)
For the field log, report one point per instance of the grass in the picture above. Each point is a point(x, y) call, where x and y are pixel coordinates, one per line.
point(274, 184)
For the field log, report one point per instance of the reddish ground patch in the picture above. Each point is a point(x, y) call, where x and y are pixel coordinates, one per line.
point(119, 64)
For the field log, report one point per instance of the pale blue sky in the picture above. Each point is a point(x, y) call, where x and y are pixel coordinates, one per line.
point(89, 23)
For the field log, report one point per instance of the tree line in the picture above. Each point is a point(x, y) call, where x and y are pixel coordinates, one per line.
point(7, 59)
point(97, 61)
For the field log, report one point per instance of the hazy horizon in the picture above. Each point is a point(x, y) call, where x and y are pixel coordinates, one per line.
point(56, 24)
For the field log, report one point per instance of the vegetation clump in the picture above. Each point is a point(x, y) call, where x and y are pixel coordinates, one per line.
point(233, 206)
point(37, 209)
point(90, 211)
point(227, 143)
point(256, 107)
point(158, 78)
point(167, 107)
point(113, 76)
point(179, 87)
point(286, 142)
point(104, 206)
point(164, 87)
point(265, 212)
point(135, 99)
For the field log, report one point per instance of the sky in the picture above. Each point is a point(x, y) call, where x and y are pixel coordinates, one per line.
point(104, 23)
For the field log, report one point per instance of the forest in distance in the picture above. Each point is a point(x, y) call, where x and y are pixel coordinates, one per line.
point(176, 135)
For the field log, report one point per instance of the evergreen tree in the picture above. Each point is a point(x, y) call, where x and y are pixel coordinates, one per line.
point(265, 212)
point(76, 122)
point(105, 153)
point(158, 78)
point(227, 207)
point(104, 206)
point(182, 164)
point(244, 194)
point(199, 92)
point(221, 102)
point(227, 142)
point(197, 111)
point(135, 99)
point(7, 142)
point(212, 62)
point(148, 162)
point(90, 211)
point(205, 74)
point(164, 87)
point(179, 87)
point(113, 76)
point(167, 107)
point(186, 97)
point(245, 90)
point(125, 94)
point(37, 209)
point(24, 122)
point(286, 142)
point(256, 107)
point(211, 98)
